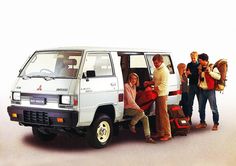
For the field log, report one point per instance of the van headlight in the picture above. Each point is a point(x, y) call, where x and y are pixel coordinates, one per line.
point(16, 96)
point(65, 100)
point(68, 100)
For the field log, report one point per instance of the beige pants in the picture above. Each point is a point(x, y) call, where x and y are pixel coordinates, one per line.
point(137, 115)
point(162, 117)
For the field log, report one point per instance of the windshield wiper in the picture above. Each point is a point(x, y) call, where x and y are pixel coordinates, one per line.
point(25, 77)
point(47, 78)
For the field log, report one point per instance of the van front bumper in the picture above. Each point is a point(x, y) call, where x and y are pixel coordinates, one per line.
point(43, 117)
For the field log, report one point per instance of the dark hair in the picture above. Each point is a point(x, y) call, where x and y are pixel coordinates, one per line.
point(203, 56)
point(158, 57)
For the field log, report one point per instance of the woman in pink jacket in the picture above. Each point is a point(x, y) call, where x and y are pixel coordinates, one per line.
point(132, 108)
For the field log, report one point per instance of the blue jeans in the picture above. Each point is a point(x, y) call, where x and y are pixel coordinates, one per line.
point(184, 103)
point(209, 95)
point(193, 90)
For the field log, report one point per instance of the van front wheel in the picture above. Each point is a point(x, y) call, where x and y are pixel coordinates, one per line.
point(100, 132)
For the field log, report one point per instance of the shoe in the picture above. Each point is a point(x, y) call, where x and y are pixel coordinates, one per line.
point(201, 126)
point(156, 136)
point(215, 127)
point(190, 121)
point(165, 138)
point(150, 140)
point(132, 129)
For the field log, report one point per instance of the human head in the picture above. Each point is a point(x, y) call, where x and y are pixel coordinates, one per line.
point(203, 59)
point(194, 56)
point(157, 60)
point(181, 68)
point(133, 78)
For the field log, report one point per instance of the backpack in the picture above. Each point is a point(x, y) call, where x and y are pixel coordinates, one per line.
point(222, 66)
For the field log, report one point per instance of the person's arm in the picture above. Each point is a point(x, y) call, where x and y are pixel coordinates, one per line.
point(164, 82)
point(215, 74)
point(188, 72)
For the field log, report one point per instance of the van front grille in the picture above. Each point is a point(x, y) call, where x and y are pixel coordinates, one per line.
point(34, 117)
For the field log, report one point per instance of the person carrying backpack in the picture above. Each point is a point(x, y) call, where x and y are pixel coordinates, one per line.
point(206, 83)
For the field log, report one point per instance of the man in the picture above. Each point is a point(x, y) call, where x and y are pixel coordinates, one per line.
point(160, 82)
point(192, 74)
point(207, 78)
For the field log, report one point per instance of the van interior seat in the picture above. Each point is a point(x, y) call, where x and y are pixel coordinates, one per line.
point(71, 71)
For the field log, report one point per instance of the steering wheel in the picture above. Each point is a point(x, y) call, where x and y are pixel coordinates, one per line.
point(47, 70)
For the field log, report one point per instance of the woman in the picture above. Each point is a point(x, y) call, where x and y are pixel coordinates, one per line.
point(132, 108)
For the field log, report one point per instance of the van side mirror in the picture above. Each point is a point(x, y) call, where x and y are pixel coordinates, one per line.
point(90, 73)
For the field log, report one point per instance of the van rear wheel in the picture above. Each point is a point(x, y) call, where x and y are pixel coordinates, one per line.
point(43, 134)
point(100, 132)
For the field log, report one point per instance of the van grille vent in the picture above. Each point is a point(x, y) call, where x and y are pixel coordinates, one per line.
point(36, 117)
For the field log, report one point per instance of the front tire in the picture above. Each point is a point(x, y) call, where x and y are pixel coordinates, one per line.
point(43, 134)
point(100, 132)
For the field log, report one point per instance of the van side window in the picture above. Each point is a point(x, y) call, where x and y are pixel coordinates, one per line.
point(99, 64)
point(167, 62)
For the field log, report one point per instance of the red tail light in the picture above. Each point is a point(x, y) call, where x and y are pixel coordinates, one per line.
point(172, 93)
point(75, 100)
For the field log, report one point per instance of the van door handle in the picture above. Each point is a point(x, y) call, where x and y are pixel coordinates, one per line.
point(113, 84)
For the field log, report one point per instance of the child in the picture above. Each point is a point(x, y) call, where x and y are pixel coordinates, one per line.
point(184, 88)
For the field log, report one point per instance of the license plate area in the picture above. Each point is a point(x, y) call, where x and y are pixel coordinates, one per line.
point(38, 100)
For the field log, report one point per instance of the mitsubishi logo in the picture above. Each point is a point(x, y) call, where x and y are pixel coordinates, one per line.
point(39, 88)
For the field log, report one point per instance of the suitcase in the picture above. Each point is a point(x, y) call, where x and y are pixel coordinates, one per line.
point(179, 123)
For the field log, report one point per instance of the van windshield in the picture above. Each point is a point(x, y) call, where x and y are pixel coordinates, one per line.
point(53, 64)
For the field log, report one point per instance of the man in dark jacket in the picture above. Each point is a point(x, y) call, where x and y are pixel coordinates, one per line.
point(192, 73)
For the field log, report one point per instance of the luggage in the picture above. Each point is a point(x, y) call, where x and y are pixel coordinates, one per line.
point(145, 99)
point(179, 123)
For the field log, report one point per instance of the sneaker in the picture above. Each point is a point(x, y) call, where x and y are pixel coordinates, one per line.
point(201, 126)
point(165, 138)
point(132, 129)
point(150, 140)
point(215, 127)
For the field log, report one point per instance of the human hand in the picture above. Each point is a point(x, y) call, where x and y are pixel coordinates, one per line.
point(146, 83)
point(156, 88)
point(208, 69)
point(188, 72)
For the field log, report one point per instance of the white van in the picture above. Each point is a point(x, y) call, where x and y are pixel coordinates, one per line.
point(80, 90)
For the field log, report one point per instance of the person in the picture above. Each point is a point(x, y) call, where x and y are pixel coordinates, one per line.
point(192, 74)
point(132, 108)
point(207, 78)
point(160, 82)
point(184, 88)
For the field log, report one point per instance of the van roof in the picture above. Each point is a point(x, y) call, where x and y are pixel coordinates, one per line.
point(105, 49)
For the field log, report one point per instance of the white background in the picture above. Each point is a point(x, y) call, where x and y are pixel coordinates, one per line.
point(177, 26)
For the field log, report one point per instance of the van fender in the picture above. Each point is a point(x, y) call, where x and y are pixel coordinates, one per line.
point(107, 109)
